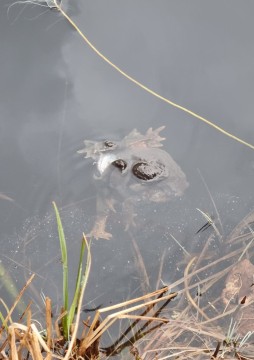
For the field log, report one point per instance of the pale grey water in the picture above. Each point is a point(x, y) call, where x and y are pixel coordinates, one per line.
point(55, 92)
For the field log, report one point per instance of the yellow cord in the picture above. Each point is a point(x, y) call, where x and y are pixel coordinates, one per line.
point(218, 128)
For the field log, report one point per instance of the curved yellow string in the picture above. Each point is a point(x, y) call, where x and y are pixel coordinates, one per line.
point(192, 113)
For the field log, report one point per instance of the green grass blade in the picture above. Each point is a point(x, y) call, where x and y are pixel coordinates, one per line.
point(81, 296)
point(2, 318)
point(74, 304)
point(65, 269)
point(8, 283)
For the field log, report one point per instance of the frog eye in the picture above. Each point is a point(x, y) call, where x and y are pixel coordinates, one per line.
point(109, 144)
point(143, 171)
point(148, 170)
point(120, 164)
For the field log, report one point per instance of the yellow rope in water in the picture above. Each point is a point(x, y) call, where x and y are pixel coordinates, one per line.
point(192, 113)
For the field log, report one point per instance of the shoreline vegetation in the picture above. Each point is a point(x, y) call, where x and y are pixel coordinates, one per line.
point(209, 317)
point(23, 339)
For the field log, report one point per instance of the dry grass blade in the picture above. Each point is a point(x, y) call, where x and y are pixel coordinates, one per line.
point(39, 338)
point(48, 321)
point(118, 345)
point(35, 346)
point(141, 298)
point(23, 330)
point(57, 321)
point(141, 267)
point(150, 318)
point(27, 338)
point(188, 292)
point(12, 342)
point(110, 319)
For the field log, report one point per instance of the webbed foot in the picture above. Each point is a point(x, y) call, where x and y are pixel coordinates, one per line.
point(98, 231)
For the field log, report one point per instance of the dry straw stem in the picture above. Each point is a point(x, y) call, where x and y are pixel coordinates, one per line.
point(95, 331)
point(150, 91)
point(48, 321)
point(31, 337)
point(188, 292)
point(57, 329)
point(191, 352)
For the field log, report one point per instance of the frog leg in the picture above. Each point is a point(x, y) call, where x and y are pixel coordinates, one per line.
point(128, 215)
point(103, 208)
point(111, 204)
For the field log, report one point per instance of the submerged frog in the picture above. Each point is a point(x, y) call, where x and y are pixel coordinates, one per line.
point(132, 172)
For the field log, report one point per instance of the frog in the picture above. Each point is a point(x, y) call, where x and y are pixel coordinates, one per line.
point(131, 172)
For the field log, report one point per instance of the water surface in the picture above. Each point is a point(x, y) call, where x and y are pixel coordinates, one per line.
point(55, 92)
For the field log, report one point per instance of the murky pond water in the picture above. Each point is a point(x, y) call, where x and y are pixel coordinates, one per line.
point(56, 92)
